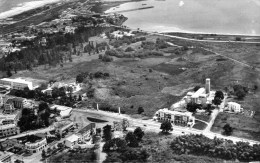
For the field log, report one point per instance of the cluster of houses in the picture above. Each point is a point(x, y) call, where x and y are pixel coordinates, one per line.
point(11, 112)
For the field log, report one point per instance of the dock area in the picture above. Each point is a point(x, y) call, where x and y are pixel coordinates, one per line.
point(140, 8)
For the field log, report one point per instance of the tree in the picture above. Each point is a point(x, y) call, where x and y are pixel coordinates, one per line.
point(80, 98)
point(166, 127)
point(115, 144)
point(43, 154)
point(139, 133)
point(9, 73)
point(107, 132)
point(43, 106)
point(140, 110)
point(217, 101)
point(79, 78)
point(131, 140)
point(219, 94)
point(227, 130)
point(191, 107)
point(144, 155)
point(125, 124)
point(240, 94)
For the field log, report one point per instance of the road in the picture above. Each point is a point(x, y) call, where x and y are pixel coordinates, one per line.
point(44, 130)
point(155, 126)
point(185, 38)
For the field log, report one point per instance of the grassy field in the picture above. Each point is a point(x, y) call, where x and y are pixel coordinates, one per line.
point(199, 125)
point(243, 126)
point(158, 146)
point(202, 117)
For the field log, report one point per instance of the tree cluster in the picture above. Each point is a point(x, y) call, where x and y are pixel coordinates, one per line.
point(58, 96)
point(240, 91)
point(86, 75)
point(218, 148)
point(29, 120)
point(59, 49)
point(166, 127)
point(126, 40)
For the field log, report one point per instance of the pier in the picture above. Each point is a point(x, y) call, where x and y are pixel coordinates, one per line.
point(122, 11)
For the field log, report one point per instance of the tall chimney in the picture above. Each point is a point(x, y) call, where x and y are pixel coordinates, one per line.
point(119, 112)
point(207, 87)
point(97, 107)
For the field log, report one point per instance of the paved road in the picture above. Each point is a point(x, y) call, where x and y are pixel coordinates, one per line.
point(44, 130)
point(155, 126)
point(189, 39)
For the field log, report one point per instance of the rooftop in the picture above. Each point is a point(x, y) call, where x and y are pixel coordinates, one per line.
point(73, 138)
point(167, 111)
point(87, 128)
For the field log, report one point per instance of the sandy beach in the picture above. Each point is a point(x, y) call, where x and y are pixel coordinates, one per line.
point(25, 7)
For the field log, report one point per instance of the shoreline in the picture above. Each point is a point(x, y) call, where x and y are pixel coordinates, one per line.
point(25, 7)
point(108, 4)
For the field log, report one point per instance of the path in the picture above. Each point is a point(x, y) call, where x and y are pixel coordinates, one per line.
point(50, 128)
point(155, 126)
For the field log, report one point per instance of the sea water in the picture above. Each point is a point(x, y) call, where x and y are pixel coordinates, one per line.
point(198, 16)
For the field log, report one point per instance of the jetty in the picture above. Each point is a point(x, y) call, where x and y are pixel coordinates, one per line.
point(122, 11)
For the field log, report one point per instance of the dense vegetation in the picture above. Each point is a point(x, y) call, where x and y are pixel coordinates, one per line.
point(122, 150)
point(58, 49)
point(218, 148)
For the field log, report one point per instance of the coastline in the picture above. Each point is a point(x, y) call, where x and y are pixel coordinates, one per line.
point(26, 6)
point(106, 5)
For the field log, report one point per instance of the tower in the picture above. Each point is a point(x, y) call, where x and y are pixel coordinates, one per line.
point(207, 86)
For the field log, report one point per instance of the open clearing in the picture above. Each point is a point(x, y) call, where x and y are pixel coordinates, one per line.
point(155, 82)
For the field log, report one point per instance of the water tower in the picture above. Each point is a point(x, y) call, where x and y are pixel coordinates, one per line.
point(207, 87)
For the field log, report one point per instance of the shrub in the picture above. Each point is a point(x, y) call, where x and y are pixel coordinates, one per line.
point(129, 49)
point(107, 58)
point(111, 52)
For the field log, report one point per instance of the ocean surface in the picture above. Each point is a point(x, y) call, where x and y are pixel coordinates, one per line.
point(199, 16)
point(12, 7)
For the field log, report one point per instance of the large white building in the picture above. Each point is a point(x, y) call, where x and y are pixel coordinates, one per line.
point(17, 83)
point(64, 110)
point(8, 130)
point(201, 96)
point(175, 117)
point(37, 145)
point(234, 107)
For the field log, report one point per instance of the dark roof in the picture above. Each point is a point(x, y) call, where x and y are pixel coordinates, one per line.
point(87, 128)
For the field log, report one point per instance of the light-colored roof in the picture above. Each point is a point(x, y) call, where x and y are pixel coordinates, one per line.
point(165, 110)
point(233, 103)
point(60, 107)
point(64, 110)
point(3, 127)
point(73, 138)
point(18, 80)
point(198, 93)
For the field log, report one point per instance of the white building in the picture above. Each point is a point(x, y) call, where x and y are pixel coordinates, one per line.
point(5, 157)
point(17, 83)
point(38, 145)
point(64, 110)
point(234, 107)
point(8, 130)
point(175, 117)
point(72, 140)
point(8, 119)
